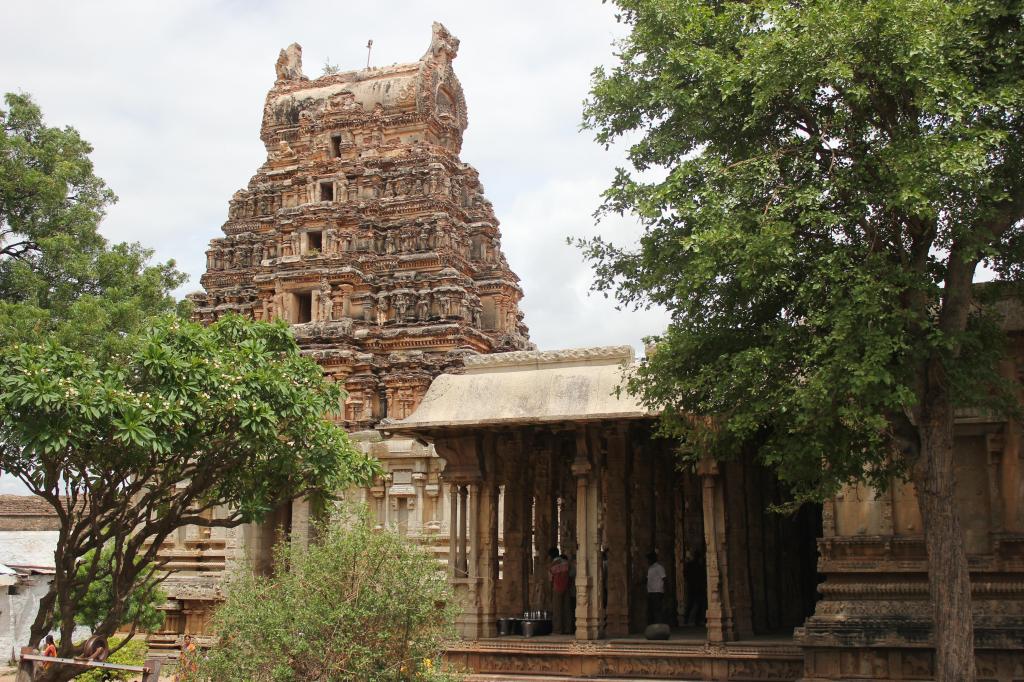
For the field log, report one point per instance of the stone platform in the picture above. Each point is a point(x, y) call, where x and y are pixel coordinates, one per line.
point(558, 659)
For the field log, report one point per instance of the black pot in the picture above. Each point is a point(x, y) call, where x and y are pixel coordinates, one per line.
point(506, 627)
point(535, 628)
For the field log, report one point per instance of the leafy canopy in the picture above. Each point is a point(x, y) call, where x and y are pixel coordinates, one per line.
point(360, 604)
point(194, 418)
point(58, 275)
point(818, 182)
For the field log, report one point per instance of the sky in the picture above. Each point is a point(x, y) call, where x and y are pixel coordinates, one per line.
point(170, 95)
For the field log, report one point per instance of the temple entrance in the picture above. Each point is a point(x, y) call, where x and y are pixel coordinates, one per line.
point(545, 461)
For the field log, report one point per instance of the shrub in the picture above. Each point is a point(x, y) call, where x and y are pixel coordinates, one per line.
point(359, 605)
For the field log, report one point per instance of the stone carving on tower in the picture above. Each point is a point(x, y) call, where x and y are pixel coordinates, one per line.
point(365, 231)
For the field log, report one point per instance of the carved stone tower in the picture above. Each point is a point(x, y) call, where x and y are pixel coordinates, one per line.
point(365, 231)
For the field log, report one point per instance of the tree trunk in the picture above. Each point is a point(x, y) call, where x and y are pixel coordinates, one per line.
point(949, 580)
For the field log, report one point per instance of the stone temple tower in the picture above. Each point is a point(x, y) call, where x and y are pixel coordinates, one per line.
point(365, 231)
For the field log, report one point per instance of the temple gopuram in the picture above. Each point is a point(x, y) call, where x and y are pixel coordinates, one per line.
point(366, 232)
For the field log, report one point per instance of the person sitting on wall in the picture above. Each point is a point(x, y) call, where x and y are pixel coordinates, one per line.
point(655, 589)
point(560, 583)
point(50, 650)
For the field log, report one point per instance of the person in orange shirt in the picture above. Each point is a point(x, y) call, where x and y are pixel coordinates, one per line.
point(188, 665)
point(50, 650)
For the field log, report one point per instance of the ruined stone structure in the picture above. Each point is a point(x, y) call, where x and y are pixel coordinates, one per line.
point(833, 592)
point(366, 232)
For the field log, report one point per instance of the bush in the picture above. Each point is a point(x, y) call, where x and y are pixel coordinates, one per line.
point(132, 653)
point(358, 605)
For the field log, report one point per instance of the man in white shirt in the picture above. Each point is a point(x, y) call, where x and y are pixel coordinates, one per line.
point(655, 589)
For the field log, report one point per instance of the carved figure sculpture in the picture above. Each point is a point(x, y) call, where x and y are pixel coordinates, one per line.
point(326, 303)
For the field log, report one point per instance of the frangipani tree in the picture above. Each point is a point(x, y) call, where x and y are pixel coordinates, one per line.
point(192, 419)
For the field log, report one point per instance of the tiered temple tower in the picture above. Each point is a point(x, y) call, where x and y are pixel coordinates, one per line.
point(366, 233)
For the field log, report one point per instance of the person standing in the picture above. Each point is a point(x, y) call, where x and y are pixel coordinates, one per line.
point(188, 663)
point(655, 589)
point(560, 574)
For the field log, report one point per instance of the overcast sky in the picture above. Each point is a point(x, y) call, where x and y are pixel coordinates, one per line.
point(171, 94)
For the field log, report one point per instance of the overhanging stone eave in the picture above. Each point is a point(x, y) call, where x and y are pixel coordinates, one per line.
point(433, 429)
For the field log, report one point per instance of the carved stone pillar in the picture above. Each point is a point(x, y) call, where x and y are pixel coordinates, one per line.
point(543, 505)
point(617, 534)
point(417, 517)
point(453, 529)
point(587, 601)
point(461, 565)
point(719, 614)
point(516, 517)
point(484, 548)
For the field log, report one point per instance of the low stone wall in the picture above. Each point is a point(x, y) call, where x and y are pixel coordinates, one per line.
point(520, 658)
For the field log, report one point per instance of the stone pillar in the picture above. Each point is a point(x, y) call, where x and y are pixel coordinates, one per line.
point(641, 534)
point(719, 615)
point(587, 601)
point(543, 525)
point(417, 517)
point(453, 527)
point(735, 501)
point(680, 547)
point(516, 517)
point(461, 565)
point(617, 534)
point(485, 549)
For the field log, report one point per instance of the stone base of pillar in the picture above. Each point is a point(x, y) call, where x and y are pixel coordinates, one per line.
point(588, 624)
point(473, 622)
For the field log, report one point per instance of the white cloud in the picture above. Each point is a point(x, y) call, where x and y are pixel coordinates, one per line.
point(171, 95)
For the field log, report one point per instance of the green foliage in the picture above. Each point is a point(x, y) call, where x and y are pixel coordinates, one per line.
point(818, 182)
point(193, 418)
point(358, 605)
point(329, 69)
point(57, 274)
point(142, 610)
point(132, 653)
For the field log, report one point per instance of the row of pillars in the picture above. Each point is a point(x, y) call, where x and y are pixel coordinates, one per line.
point(600, 515)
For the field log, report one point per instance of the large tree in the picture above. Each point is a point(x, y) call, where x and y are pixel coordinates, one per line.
point(206, 426)
point(58, 275)
point(819, 182)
